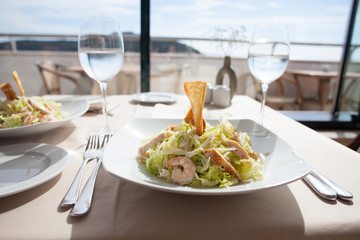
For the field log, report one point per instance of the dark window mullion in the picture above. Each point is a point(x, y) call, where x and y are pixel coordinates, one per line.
point(346, 56)
point(145, 45)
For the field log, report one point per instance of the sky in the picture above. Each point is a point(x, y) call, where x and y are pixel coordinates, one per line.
point(315, 21)
point(62, 17)
point(306, 18)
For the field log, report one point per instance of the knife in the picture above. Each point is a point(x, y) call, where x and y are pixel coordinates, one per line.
point(340, 191)
point(319, 187)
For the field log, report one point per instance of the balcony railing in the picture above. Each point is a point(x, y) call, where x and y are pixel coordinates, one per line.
point(12, 39)
point(200, 66)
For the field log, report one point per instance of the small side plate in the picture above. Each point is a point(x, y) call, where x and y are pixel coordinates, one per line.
point(24, 166)
point(155, 97)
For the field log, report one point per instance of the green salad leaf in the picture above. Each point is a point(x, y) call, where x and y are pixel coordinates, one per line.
point(181, 141)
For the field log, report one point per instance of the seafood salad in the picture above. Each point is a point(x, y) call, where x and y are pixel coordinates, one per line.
point(220, 157)
point(22, 111)
point(196, 154)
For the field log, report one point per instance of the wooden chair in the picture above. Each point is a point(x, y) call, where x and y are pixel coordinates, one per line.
point(51, 76)
point(348, 100)
point(355, 144)
point(281, 99)
point(168, 77)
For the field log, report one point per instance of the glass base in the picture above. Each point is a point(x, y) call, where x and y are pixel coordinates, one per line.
point(105, 131)
point(257, 131)
point(102, 133)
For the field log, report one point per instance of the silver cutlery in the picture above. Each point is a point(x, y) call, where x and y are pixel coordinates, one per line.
point(90, 153)
point(83, 204)
point(341, 192)
point(325, 187)
point(319, 187)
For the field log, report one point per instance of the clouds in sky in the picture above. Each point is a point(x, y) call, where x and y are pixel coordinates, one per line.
point(61, 17)
point(308, 20)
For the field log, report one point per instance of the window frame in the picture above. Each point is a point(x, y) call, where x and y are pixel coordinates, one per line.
point(316, 120)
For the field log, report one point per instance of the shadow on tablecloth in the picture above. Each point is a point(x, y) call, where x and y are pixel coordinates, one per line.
point(124, 210)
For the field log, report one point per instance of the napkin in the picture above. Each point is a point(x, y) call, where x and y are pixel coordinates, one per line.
point(169, 111)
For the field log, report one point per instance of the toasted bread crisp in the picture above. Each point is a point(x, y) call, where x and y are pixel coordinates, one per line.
point(196, 92)
point(189, 117)
point(18, 82)
point(8, 91)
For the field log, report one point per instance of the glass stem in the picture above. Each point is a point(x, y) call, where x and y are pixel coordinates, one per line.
point(264, 89)
point(103, 87)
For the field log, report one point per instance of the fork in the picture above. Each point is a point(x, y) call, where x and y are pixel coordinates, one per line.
point(90, 153)
point(83, 204)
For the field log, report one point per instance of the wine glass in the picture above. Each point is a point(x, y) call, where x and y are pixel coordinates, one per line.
point(101, 52)
point(268, 56)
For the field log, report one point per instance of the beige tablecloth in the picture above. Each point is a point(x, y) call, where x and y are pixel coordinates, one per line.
point(123, 210)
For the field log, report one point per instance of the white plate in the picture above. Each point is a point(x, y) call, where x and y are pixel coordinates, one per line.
point(74, 108)
point(24, 166)
point(284, 165)
point(92, 99)
point(155, 97)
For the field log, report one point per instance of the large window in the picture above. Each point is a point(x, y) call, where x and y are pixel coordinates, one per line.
point(349, 89)
point(185, 43)
point(313, 22)
point(37, 30)
point(183, 33)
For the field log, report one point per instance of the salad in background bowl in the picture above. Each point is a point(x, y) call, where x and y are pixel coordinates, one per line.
point(22, 115)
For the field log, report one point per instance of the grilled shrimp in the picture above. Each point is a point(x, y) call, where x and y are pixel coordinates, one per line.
point(29, 119)
point(47, 118)
point(183, 170)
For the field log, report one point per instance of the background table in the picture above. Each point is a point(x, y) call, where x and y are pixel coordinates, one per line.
point(123, 210)
point(322, 76)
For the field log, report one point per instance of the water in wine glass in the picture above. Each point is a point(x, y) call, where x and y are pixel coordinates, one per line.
point(268, 56)
point(267, 68)
point(101, 65)
point(101, 52)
